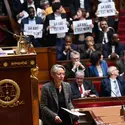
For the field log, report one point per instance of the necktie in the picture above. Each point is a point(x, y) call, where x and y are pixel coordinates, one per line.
point(81, 90)
point(117, 92)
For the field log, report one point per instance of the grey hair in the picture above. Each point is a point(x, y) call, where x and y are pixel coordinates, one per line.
point(55, 68)
point(74, 53)
point(110, 70)
point(80, 73)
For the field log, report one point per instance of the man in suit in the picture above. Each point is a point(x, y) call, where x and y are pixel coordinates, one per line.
point(55, 95)
point(75, 4)
point(103, 35)
point(75, 65)
point(82, 88)
point(55, 39)
point(32, 19)
point(114, 85)
point(116, 48)
point(120, 64)
point(63, 52)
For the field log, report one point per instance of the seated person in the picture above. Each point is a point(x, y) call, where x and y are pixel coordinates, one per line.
point(75, 65)
point(120, 64)
point(32, 19)
point(114, 85)
point(116, 48)
point(63, 52)
point(91, 46)
point(99, 67)
point(82, 88)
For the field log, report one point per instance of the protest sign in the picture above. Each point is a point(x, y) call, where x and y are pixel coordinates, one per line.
point(106, 9)
point(82, 26)
point(35, 30)
point(58, 26)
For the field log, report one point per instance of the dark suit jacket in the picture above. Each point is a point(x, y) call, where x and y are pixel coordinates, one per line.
point(36, 41)
point(99, 35)
point(70, 73)
point(120, 65)
point(105, 89)
point(75, 4)
point(49, 102)
point(119, 48)
point(88, 85)
point(61, 55)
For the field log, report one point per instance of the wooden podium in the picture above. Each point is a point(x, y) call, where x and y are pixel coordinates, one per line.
point(18, 92)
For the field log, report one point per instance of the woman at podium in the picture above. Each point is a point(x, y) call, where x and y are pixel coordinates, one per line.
point(55, 95)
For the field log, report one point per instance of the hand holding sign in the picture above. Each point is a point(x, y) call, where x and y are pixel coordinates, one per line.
point(106, 9)
point(82, 26)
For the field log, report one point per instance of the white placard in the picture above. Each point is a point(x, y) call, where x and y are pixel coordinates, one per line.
point(36, 30)
point(58, 26)
point(82, 26)
point(106, 9)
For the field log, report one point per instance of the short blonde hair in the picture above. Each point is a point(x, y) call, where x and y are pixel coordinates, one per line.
point(55, 68)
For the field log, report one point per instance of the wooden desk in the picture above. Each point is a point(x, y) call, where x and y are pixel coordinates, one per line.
point(97, 102)
point(106, 115)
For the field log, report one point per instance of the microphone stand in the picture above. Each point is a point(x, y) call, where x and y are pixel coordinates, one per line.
point(122, 110)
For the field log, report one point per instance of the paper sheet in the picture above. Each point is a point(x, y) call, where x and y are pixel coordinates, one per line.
point(73, 113)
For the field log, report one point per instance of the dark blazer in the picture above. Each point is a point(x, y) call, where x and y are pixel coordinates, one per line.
point(99, 35)
point(37, 42)
point(105, 88)
point(70, 73)
point(120, 64)
point(93, 72)
point(88, 85)
point(119, 48)
point(49, 102)
point(75, 4)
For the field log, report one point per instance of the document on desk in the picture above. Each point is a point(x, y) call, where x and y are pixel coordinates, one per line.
point(73, 113)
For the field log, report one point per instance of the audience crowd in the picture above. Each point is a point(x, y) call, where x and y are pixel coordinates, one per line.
point(99, 40)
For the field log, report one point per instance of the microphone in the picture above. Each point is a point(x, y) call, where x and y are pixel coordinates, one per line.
point(122, 110)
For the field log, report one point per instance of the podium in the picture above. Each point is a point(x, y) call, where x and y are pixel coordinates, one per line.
point(18, 91)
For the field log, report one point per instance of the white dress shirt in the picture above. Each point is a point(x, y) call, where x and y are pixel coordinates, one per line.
point(115, 88)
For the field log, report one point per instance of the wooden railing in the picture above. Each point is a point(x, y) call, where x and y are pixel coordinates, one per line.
point(97, 102)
